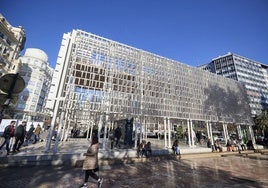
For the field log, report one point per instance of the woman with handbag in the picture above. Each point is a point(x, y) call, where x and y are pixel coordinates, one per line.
point(91, 165)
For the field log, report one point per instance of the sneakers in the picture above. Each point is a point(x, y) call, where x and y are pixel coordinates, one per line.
point(83, 185)
point(100, 181)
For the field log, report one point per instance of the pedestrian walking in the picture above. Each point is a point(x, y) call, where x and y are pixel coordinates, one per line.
point(91, 165)
point(20, 133)
point(117, 134)
point(111, 136)
point(37, 133)
point(8, 134)
point(29, 134)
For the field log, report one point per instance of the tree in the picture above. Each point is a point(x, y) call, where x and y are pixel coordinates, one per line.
point(261, 122)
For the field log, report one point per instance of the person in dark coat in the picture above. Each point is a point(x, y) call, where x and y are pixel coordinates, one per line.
point(148, 149)
point(29, 134)
point(8, 133)
point(117, 134)
point(20, 133)
point(91, 165)
point(111, 136)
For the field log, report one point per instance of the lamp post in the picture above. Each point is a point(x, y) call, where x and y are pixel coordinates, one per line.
point(53, 122)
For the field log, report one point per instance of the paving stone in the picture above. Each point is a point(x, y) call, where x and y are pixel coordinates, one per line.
point(231, 171)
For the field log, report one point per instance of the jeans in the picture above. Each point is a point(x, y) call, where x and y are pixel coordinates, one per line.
point(176, 150)
point(36, 138)
point(7, 142)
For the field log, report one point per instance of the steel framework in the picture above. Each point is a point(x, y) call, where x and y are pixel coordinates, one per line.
point(104, 78)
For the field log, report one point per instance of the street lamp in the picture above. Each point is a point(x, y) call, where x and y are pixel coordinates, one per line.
point(53, 122)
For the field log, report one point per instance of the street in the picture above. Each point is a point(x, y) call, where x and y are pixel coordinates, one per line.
point(231, 171)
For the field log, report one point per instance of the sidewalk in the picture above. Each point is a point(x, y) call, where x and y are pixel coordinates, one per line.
point(217, 172)
point(71, 153)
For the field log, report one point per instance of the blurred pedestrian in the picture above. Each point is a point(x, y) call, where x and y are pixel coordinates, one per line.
point(243, 145)
point(176, 148)
point(218, 146)
point(37, 133)
point(29, 134)
point(141, 149)
point(148, 149)
point(229, 145)
point(91, 165)
point(20, 133)
point(111, 136)
point(209, 143)
point(8, 134)
point(117, 134)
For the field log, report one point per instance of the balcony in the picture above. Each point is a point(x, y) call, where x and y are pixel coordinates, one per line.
point(3, 62)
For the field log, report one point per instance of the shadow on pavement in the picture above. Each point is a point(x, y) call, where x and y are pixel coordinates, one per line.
point(232, 171)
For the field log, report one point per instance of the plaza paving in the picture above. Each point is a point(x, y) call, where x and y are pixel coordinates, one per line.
point(231, 171)
point(71, 151)
point(199, 167)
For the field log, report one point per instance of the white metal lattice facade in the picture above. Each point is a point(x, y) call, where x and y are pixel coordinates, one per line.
point(95, 75)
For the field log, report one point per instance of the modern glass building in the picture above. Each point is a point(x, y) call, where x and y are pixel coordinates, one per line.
point(249, 72)
point(100, 82)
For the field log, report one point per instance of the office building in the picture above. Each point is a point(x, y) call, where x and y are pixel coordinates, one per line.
point(251, 73)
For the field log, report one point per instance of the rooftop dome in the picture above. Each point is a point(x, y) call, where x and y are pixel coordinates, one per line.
point(36, 53)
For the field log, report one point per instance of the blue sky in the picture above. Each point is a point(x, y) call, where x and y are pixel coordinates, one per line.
point(190, 31)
